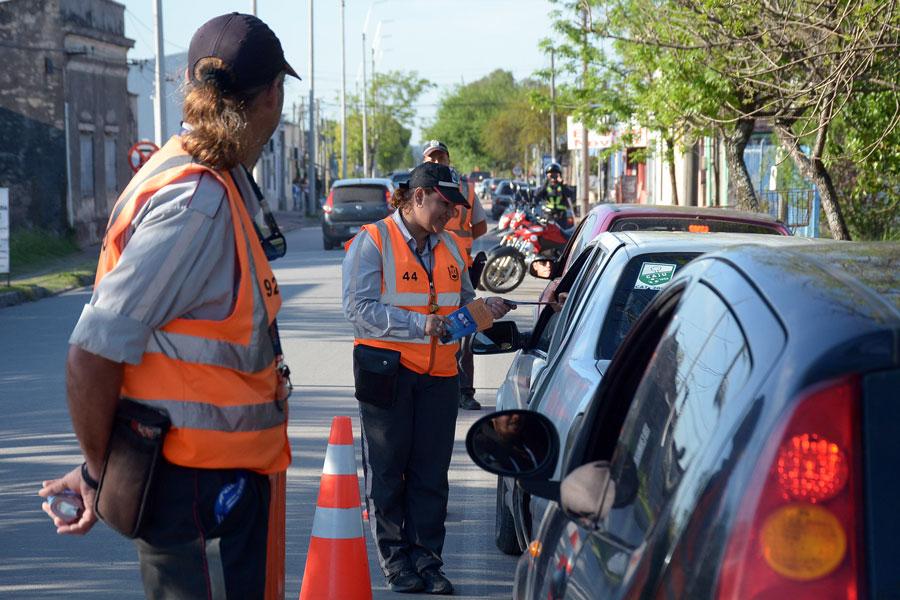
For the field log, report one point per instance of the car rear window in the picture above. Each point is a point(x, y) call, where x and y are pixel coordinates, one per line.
point(685, 224)
point(640, 282)
point(360, 194)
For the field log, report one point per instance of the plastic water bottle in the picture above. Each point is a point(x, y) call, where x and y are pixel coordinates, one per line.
point(67, 505)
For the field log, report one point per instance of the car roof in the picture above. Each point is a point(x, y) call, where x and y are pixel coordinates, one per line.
point(681, 211)
point(681, 241)
point(363, 181)
point(861, 277)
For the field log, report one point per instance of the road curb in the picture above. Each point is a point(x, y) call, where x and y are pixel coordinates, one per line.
point(36, 292)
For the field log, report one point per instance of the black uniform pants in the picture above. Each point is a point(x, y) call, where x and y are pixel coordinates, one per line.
point(185, 553)
point(406, 456)
point(466, 363)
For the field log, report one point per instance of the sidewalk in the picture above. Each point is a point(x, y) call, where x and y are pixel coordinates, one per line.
point(77, 270)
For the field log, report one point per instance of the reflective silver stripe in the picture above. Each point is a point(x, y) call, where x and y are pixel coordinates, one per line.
point(229, 419)
point(401, 340)
point(216, 569)
point(388, 261)
point(339, 460)
point(404, 299)
point(448, 299)
point(171, 163)
point(250, 358)
point(453, 248)
point(337, 523)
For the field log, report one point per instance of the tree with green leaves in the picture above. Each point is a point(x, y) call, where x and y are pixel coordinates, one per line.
point(391, 104)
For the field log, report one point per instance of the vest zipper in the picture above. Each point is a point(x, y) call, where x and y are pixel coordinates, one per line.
point(432, 306)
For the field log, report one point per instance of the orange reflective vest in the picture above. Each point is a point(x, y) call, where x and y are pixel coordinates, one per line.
point(216, 379)
point(461, 223)
point(405, 284)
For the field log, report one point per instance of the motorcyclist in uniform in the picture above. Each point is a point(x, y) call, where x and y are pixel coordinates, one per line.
point(556, 197)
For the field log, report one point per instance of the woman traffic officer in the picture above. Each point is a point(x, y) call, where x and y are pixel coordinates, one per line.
point(402, 276)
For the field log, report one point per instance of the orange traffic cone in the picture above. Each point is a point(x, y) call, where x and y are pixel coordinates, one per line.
point(337, 566)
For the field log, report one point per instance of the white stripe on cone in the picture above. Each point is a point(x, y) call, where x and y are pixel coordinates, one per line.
point(337, 523)
point(339, 460)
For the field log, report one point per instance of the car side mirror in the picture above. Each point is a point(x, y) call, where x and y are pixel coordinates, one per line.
point(514, 443)
point(587, 494)
point(542, 268)
point(500, 338)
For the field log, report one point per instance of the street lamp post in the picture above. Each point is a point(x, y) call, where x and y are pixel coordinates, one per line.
point(343, 98)
point(311, 140)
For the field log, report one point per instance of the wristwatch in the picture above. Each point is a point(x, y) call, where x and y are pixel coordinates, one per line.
point(86, 476)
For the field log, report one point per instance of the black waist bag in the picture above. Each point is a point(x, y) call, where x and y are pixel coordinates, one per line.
point(132, 457)
point(375, 374)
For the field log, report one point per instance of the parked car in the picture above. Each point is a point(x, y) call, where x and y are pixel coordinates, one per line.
point(561, 363)
point(398, 177)
point(501, 197)
point(663, 217)
point(742, 443)
point(351, 204)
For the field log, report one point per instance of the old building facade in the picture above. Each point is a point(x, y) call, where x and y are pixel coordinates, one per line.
point(66, 117)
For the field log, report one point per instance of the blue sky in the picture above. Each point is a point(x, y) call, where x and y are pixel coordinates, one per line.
point(446, 41)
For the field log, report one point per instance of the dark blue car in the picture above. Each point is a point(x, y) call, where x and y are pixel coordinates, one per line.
point(742, 443)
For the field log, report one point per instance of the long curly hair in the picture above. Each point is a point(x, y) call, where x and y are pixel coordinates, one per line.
point(217, 116)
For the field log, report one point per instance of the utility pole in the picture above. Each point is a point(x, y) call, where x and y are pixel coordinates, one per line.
point(343, 98)
point(311, 166)
point(365, 125)
point(553, 104)
point(374, 113)
point(253, 7)
point(585, 157)
point(159, 106)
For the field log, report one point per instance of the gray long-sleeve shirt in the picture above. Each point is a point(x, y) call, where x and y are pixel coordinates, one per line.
point(179, 262)
point(361, 280)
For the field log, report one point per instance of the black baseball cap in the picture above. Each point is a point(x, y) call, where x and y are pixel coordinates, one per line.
point(246, 45)
point(433, 145)
point(444, 180)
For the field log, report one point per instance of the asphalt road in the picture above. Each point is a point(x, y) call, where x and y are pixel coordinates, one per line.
point(36, 443)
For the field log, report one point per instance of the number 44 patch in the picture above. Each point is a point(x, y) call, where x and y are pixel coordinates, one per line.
point(410, 276)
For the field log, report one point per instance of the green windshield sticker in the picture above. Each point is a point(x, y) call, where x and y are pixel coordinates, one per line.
point(654, 276)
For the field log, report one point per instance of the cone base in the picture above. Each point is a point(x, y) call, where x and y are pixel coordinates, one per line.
point(336, 570)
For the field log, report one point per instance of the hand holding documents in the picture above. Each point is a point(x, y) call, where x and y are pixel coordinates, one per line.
point(474, 316)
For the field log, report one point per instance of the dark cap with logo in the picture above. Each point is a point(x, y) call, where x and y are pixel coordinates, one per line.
point(250, 50)
point(442, 179)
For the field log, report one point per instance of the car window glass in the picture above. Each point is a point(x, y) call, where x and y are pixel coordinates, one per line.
point(635, 289)
point(579, 284)
point(581, 238)
point(701, 361)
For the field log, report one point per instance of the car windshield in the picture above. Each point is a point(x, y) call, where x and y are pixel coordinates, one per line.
point(695, 224)
point(359, 194)
point(640, 282)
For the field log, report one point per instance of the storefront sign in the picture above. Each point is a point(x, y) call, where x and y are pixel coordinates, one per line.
point(596, 141)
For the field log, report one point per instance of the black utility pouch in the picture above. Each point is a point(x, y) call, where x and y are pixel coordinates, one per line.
point(375, 374)
point(132, 457)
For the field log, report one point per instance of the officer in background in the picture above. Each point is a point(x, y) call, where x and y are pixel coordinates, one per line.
point(182, 319)
point(556, 196)
point(402, 276)
point(468, 224)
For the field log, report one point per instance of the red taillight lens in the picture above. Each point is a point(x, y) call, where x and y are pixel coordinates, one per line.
point(329, 203)
point(811, 468)
point(797, 532)
point(387, 197)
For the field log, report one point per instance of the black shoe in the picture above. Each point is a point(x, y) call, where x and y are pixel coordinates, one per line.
point(435, 582)
point(469, 403)
point(406, 581)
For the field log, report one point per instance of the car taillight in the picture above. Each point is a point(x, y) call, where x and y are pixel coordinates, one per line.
point(329, 203)
point(797, 533)
point(693, 228)
point(387, 197)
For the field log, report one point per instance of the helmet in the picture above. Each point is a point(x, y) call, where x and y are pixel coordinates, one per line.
point(553, 168)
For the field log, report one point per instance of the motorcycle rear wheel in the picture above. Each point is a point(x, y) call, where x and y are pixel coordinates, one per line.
point(503, 273)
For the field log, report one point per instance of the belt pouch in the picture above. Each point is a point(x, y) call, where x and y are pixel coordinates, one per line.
point(375, 374)
point(132, 457)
